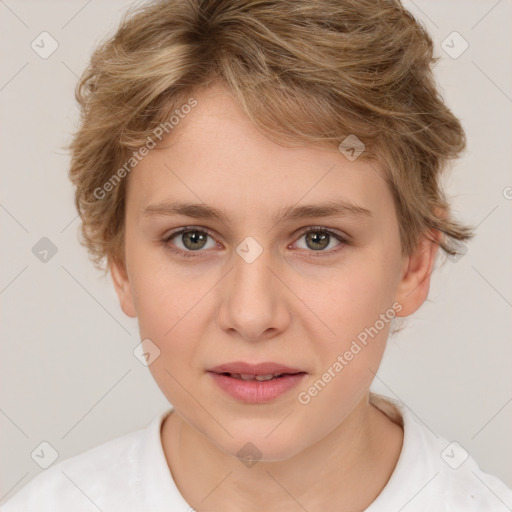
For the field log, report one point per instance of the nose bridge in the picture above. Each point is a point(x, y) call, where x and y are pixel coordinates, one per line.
point(252, 280)
point(252, 304)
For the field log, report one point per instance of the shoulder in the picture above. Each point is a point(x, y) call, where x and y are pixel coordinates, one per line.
point(104, 477)
point(459, 483)
point(433, 473)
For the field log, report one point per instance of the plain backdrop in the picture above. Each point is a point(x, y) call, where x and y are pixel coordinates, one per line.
point(68, 373)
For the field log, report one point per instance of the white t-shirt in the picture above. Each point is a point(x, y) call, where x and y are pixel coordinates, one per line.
point(130, 474)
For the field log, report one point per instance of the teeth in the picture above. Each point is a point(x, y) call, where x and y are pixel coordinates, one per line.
point(254, 377)
point(264, 377)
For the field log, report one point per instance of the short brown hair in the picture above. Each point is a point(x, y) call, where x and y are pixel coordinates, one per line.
point(304, 71)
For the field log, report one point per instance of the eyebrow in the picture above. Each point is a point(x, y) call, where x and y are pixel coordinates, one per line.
point(338, 208)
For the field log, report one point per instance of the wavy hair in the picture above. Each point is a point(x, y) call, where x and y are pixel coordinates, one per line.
point(304, 71)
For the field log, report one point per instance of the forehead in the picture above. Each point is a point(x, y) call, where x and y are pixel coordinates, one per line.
point(216, 155)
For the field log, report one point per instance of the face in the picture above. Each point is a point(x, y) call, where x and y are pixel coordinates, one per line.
point(274, 277)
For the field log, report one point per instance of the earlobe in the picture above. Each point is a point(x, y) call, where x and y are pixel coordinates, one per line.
point(415, 274)
point(123, 288)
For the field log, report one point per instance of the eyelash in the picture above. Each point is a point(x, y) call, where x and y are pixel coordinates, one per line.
point(195, 254)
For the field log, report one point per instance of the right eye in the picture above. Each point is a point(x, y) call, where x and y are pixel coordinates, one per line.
point(192, 240)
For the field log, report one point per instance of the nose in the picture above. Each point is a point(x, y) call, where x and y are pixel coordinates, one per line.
point(254, 299)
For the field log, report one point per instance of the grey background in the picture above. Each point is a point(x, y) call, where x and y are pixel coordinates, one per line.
point(68, 374)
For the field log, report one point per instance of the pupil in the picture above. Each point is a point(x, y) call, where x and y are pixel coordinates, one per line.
point(317, 237)
point(195, 237)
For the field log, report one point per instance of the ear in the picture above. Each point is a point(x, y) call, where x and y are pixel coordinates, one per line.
point(122, 287)
point(414, 283)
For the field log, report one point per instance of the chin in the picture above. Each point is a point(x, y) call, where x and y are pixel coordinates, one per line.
point(257, 444)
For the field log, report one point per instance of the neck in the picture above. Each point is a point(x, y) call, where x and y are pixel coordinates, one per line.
point(346, 470)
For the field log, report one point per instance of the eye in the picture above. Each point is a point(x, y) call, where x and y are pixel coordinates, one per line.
point(191, 239)
point(319, 239)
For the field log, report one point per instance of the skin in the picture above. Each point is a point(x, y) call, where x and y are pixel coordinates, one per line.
point(293, 305)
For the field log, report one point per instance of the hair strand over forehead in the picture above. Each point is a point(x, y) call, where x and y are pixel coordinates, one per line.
point(307, 72)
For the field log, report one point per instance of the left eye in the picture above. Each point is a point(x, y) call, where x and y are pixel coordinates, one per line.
point(320, 239)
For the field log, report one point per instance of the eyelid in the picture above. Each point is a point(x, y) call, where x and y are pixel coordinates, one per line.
point(331, 231)
point(184, 229)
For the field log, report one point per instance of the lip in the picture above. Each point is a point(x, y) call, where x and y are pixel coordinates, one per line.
point(254, 391)
point(263, 368)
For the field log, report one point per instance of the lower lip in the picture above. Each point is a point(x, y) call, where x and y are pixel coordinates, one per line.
point(257, 391)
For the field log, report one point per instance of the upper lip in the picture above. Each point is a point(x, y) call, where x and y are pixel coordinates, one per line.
point(264, 368)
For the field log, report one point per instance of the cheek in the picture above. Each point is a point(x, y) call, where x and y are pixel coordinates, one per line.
point(356, 296)
point(164, 302)
point(356, 304)
point(160, 292)
point(171, 315)
point(171, 307)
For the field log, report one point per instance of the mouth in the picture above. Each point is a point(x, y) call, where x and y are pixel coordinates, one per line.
point(260, 377)
point(256, 383)
point(243, 370)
